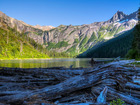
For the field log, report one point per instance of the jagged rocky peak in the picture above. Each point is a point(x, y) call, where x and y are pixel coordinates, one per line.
point(118, 16)
point(45, 28)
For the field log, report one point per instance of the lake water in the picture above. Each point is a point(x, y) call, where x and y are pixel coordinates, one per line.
point(44, 63)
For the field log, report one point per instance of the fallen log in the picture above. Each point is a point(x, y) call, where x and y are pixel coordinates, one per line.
point(132, 86)
point(70, 84)
point(75, 83)
point(117, 94)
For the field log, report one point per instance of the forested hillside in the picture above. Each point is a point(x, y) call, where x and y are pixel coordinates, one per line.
point(115, 47)
point(14, 44)
point(134, 52)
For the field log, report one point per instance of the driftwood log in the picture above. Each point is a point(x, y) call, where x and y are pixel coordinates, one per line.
point(23, 86)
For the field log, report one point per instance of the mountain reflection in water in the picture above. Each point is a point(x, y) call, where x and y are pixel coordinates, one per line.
point(44, 63)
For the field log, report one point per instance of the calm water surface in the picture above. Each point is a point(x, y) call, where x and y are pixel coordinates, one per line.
point(44, 63)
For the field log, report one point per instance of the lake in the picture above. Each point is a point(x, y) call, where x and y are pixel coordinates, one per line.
point(44, 63)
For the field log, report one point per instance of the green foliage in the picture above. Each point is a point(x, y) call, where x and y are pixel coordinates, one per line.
point(0, 49)
point(35, 33)
point(18, 45)
point(131, 54)
point(92, 38)
point(139, 16)
point(81, 36)
point(50, 45)
point(100, 34)
point(15, 45)
point(120, 29)
point(55, 54)
point(72, 50)
point(115, 47)
point(103, 28)
point(83, 49)
point(109, 28)
point(71, 32)
point(61, 44)
point(76, 41)
point(117, 102)
point(134, 52)
point(112, 31)
point(64, 29)
point(84, 41)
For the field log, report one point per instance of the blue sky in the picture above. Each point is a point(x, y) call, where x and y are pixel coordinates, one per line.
point(66, 12)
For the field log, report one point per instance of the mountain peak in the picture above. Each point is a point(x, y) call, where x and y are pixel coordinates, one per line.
point(43, 27)
point(118, 16)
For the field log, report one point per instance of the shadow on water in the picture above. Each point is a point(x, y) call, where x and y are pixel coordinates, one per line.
point(44, 63)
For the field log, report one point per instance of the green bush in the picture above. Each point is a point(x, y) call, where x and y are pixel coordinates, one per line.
point(117, 102)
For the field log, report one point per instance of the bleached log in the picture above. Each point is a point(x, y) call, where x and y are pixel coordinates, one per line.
point(102, 97)
point(132, 86)
point(117, 94)
point(75, 83)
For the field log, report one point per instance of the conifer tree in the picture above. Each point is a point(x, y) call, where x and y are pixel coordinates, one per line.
point(134, 52)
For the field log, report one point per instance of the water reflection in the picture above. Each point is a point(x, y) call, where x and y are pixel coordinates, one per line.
point(44, 63)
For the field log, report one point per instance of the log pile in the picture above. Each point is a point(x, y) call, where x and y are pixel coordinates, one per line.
point(68, 86)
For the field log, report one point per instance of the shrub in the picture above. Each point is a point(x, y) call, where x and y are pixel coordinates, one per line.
point(117, 102)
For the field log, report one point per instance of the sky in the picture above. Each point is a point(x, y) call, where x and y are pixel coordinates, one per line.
point(66, 12)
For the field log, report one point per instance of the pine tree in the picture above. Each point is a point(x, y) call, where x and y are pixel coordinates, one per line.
point(7, 37)
point(134, 52)
point(139, 16)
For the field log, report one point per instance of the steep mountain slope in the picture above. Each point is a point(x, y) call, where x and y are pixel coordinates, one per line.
point(115, 47)
point(76, 39)
point(14, 45)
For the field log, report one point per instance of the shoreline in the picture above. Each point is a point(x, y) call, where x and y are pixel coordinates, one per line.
point(28, 58)
point(24, 58)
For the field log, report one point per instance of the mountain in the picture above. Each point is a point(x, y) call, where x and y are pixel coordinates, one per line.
point(44, 28)
point(76, 39)
point(17, 45)
point(118, 16)
point(79, 39)
point(118, 46)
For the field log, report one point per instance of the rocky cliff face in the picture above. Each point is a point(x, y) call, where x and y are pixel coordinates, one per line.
point(76, 39)
point(118, 16)
point(82, 38)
